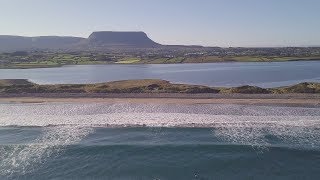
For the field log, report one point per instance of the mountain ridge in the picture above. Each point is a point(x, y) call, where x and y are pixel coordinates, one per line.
point(97, 40)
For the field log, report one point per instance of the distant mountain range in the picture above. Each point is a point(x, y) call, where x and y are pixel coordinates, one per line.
point(96, 41)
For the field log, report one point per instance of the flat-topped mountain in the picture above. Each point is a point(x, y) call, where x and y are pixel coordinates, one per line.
point(121, 39)
point(96, 41)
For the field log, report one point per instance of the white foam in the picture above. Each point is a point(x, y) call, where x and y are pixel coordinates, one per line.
point(24, 158)
point(157, 120)
point(235, 123)
point(65, 124)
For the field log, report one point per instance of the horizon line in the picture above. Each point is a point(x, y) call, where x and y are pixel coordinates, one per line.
point(205, 46)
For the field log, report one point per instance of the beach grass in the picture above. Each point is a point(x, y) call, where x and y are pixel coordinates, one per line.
point(148, 86)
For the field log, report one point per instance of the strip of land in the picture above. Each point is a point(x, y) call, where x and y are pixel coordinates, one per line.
point(14, 87)
point(166, 55)
point(158, 92)
point(132, 60)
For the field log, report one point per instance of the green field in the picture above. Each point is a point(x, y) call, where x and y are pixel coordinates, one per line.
point(128, 61)
point(48, 59)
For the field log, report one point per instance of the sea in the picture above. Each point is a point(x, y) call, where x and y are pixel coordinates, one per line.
point(129, 141)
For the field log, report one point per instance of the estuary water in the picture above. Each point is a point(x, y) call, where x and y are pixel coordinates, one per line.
point(273, 74)
point(154, 141)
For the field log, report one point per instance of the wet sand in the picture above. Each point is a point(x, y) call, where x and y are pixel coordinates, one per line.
point(312, 100)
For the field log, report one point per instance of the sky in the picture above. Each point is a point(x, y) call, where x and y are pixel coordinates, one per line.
point(225, 23)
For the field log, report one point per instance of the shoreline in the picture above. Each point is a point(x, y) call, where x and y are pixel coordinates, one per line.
point(40, 66)
point(300, 100)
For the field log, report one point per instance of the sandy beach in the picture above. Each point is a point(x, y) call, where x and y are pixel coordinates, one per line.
point(257, 99)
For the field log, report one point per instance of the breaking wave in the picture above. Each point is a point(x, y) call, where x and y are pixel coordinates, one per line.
point(63, 125)
point(23, 158)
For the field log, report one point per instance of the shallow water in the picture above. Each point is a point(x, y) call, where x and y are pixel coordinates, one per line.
point(261, 74)
point(134, 141)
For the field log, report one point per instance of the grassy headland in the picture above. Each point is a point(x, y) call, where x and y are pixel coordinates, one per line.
point(20, 86)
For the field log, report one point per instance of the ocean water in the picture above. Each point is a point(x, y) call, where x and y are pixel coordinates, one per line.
point(263, 74)
point(157, 141)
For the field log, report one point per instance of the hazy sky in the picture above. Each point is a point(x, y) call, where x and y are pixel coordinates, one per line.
point(198, 22)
